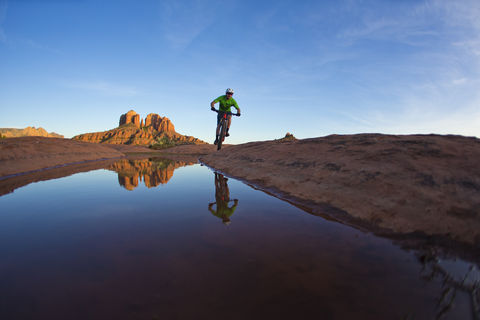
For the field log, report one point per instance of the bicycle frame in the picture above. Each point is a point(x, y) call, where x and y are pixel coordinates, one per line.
point(222, 126)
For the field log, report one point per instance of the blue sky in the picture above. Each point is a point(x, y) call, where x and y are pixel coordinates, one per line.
point(311, 68)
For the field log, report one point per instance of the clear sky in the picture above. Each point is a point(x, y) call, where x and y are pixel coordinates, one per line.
point(311, 68)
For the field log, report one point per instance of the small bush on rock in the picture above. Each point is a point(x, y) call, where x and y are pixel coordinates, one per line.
point(165, 142)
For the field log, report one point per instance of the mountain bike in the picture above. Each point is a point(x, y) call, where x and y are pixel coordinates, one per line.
point(222, 126)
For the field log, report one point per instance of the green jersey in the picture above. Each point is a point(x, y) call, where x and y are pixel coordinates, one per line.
point(223, 210)
point(225, 104)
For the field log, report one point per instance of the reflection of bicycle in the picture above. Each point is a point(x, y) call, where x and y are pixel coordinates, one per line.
point(222, 197)
point(222, 126)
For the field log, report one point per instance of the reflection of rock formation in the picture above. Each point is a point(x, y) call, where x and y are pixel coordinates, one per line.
point(152, 172)
point(13, 183)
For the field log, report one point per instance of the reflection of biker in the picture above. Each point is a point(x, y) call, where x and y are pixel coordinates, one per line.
point(222, 197)
point(226, 102)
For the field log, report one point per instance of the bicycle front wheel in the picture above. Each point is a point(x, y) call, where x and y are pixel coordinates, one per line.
point(221, 137)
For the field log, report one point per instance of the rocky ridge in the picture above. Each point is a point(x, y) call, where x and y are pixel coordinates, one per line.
point(133, 130)
point(28, 132)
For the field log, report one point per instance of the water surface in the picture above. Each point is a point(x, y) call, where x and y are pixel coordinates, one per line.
point(158, 239)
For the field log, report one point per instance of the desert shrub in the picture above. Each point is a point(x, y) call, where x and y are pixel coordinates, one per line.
point(288, 136)
point(165, 142)
point(128, 125)
point(2, 136)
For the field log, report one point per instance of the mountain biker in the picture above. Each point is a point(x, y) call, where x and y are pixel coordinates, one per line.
point(226, 102)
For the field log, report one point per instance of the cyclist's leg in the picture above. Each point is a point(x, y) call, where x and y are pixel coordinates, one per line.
point(219, 119)
point(217, 131)
point(221, 136)
point(229, 122)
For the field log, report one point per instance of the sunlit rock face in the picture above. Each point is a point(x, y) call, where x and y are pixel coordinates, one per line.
point(28, 132)
point(158, 123)
point(136, 131)
point(153, 120)
point(130, 117)
point(153, 172)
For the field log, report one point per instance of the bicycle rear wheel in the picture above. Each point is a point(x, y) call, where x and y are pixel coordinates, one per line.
point(221, 135)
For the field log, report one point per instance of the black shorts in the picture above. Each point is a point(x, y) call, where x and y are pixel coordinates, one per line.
point(220, 116)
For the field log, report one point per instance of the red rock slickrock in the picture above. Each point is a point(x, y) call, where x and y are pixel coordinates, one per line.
point(18, 155)
point(10, 184)
point(193, 149)
point(31, 154)
point(426, 183)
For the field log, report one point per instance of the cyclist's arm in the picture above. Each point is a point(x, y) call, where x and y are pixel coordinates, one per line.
point(212, 105)
point(236, 107)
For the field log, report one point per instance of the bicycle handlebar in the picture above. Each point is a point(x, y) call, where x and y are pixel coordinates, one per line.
point(231, 200)
point(228, 112)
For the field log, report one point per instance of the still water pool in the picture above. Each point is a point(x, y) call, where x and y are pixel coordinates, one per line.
point(157, 239)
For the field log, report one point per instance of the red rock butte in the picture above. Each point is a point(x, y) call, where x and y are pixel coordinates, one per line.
point(130, 117)
point(158, 123)
point(134, 130)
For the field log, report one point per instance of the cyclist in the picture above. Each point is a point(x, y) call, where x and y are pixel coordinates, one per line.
point(226, 102)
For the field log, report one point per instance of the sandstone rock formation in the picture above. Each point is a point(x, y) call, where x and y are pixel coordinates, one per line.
point(28, 132)
point(406, 184)
point(131, 131)
point(152, 172)
point(130, 117)
point(134, 136)
point(158, 123)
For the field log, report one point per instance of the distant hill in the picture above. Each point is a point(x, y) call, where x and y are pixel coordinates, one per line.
point(28, 131)
point(288, 136)
point(135, 131)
